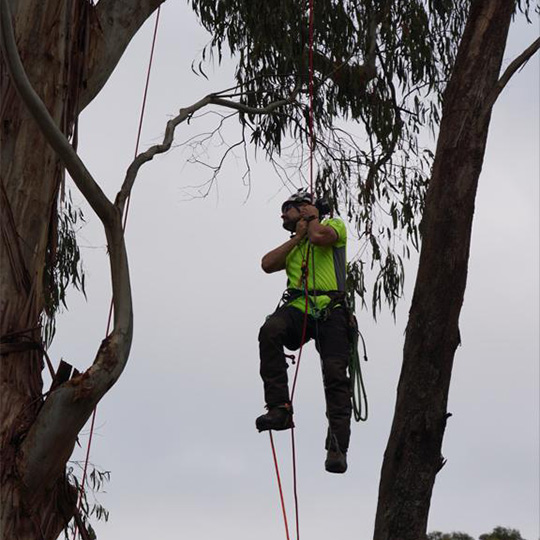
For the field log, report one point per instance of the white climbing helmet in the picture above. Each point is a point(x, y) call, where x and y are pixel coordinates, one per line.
point(301, 196)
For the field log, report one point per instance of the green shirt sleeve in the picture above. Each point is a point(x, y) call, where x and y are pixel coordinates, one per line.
point(339, 226)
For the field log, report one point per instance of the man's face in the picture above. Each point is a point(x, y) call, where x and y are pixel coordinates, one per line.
point(290, 216)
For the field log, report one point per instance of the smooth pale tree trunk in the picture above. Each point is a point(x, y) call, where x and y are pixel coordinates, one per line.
point(68, 49)
point(413, 454)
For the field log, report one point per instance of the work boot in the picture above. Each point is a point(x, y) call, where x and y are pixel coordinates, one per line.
point(336, 459)
point(277, 418)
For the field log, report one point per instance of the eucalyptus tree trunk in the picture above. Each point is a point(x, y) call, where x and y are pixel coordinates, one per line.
point(68, 49)
point(413, 454)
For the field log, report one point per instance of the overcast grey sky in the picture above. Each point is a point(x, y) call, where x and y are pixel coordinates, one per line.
point(178, 431)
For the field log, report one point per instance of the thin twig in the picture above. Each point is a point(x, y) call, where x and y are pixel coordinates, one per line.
point(185, 114)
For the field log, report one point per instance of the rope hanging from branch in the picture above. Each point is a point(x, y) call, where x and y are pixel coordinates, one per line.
point(302, 341)
point(124, 223)
point(311, 136)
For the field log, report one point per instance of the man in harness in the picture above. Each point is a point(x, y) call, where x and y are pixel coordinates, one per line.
point(314, 259)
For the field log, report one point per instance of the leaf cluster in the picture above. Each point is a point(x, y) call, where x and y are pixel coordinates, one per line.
point(379, 70)
point(63, 266)
point(89, 509)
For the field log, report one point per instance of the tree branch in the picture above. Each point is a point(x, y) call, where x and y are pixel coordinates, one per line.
point(211, 99)
point(344, 72)
point(514, 66)
point(52, 436)
point(114, 24)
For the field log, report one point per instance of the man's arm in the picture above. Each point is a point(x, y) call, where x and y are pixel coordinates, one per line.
point(274, 260)
point(318, 235)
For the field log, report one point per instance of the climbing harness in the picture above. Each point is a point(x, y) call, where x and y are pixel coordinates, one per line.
point(337, 298)
point(124, 223)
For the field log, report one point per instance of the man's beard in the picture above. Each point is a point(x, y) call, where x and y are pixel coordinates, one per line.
point(290, 225)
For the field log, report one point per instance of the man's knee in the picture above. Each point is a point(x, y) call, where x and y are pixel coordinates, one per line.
point(335, 370)
point(273, 329)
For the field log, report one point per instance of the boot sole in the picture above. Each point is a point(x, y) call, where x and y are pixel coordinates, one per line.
point(335, 470)
point(273, 428)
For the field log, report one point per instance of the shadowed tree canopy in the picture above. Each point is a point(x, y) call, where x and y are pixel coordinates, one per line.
point(502, 533)
point(498, 533)
point(436, 535)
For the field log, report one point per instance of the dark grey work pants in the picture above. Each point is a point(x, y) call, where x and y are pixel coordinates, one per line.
point(284, 329)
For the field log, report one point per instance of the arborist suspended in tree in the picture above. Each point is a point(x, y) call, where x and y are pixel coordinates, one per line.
point(315, 261)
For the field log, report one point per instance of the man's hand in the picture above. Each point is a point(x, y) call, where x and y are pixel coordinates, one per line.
point(318, 234)
point(308, 212)
point(301, 228)
point(277, 258)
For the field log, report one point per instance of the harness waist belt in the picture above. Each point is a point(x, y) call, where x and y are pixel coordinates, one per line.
point(293, 294)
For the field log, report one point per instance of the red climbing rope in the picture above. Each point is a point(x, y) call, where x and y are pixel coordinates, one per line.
point(306, 276)
point(124, 223)
point(293, 389)
point(304, 326)
point(311, 137)
point(284, 511)
point(293, 442)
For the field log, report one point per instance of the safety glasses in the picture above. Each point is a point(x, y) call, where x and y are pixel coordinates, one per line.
point(287, 206)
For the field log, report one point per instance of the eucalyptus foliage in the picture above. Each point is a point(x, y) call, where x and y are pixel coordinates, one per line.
point(88, 508)
point(383, 66)
point(64, 265)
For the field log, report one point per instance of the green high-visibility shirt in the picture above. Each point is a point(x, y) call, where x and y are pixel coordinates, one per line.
point(326, 267)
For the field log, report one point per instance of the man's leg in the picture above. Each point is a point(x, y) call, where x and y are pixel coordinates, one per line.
point(282, 329)
point(333, 345)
